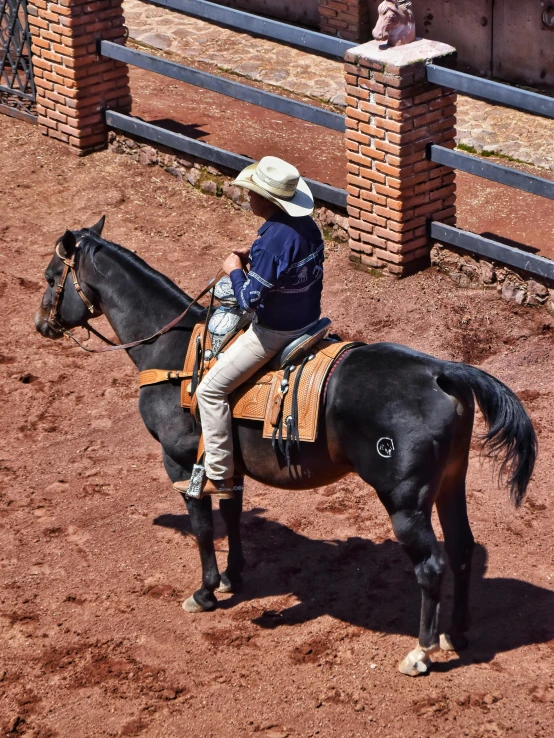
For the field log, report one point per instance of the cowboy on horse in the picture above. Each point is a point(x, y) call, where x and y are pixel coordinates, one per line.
point(282, 291)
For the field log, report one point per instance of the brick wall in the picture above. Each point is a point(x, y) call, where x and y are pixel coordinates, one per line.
point(73, 83)
point(348, 19)
point(393, 190)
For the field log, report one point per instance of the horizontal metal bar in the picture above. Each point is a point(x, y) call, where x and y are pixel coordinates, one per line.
point(476, 244)
point(486, 89)
point(273, 29)
point(17, 93)
point(326, 193)
point(151, 132)
point(493, 172)
point(223, 86)
point(16, 113)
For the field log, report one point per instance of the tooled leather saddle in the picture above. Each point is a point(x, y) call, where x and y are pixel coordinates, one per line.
point(285, 396)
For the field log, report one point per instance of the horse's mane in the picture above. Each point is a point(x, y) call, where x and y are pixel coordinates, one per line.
point(91, 243)
point(401, 4)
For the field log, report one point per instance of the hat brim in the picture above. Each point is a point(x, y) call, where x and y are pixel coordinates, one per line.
point(301, 204)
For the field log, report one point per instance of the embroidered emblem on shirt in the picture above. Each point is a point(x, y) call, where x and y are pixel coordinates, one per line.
point(302, 275)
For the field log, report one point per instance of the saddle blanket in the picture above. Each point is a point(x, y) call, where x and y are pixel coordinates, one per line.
point(266, 397)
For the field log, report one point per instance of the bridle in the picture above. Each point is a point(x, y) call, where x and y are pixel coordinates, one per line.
point(54, 321)
point(53, 318)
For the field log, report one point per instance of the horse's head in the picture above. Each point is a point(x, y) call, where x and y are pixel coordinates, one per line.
point(395, 23)
point(65, 304)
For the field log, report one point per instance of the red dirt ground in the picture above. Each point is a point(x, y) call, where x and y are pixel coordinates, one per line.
point(97, 554)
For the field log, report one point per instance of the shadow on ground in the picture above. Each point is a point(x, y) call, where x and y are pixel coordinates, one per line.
point(510, 242)
point(372, 585)
point(192, 130)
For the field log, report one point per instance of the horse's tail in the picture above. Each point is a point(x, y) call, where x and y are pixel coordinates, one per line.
point(511, 438)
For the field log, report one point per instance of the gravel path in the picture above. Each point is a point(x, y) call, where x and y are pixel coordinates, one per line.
point(481, 126)
point(254, 58)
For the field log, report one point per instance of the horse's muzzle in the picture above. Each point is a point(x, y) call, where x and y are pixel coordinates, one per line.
point(379, 35)
point(43, 326)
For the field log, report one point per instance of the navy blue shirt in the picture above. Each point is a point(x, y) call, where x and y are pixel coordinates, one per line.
point(285, 280)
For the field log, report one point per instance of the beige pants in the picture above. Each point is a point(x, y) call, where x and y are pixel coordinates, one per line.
point(239, 362)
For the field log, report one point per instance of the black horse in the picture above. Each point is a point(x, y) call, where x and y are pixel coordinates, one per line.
point(400, 419)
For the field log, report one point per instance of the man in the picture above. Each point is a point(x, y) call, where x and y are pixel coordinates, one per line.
point(283, 289)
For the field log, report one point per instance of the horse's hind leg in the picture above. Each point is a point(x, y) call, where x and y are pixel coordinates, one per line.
point(231, 511)
point(415, 534)
point(459, 544)
point(201, 518)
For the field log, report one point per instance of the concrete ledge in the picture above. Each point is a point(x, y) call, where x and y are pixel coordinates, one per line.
point(421, 51)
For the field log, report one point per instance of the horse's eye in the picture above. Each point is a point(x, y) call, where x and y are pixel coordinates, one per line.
point(50, 281)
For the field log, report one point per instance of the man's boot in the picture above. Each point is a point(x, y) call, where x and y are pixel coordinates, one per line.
point(220, 488)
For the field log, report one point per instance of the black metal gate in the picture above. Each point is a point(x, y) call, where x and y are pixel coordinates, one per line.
point(17, 86)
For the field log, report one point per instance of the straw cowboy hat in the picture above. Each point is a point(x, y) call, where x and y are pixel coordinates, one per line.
point(280, 183)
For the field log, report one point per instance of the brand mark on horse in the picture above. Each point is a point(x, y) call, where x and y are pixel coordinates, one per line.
point(385, 447)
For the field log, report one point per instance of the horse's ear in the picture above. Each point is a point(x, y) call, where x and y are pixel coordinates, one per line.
point(97, 228)
point(67, 244)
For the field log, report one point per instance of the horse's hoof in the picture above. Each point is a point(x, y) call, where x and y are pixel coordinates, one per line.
point(414, 668)
point(191, 605)
point(446, 643)
point(417, 662)
point(453, 642)
point(226, 586)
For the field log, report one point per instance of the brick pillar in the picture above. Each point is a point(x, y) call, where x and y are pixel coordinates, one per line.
point(348, 19)
point(73, 83)
point(392, 115)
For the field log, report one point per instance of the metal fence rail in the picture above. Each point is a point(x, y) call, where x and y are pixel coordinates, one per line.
point(272, 29)
point(223, 86)
point(531, 102)
point(493, 172)
point(236, 162)
point(486, 89)
point(475, 244)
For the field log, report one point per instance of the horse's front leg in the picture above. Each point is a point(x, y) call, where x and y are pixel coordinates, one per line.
point(231, 511)
point(201, 518)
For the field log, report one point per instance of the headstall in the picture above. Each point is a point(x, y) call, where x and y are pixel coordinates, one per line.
point(69, 266)
point(55, 324)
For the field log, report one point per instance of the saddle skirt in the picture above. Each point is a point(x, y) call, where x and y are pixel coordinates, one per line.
point(271, 397)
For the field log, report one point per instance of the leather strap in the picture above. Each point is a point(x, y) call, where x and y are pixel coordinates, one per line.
point(159, 333)
point(194, 406)
point(155, 376)
point(200, 452)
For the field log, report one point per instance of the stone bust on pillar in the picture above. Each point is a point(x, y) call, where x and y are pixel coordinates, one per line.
point(395, 25)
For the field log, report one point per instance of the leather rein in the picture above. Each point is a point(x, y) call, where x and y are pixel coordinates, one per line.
point(55, 324)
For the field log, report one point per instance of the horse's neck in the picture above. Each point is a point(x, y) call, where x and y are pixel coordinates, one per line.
point(138, 302)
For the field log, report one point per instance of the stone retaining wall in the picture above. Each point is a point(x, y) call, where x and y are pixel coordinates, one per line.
point(473, 272)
